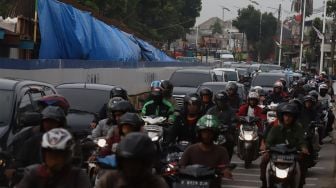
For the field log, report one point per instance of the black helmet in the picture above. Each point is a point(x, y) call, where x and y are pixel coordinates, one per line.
point(297, 102)
point(307, 88)
point(309, 98)
point(206, 91)
point(288, 108)
point(132, 119)
point(315, 94)
point(167, 88)
point(119, 92)
point(122, 106)
point(301, 82)
point(55, 113)
point(136, 145)
point(221, 97)
point(232, 86)
point(192, 98)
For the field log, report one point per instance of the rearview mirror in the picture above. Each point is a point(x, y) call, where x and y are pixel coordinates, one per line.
point(28, 119)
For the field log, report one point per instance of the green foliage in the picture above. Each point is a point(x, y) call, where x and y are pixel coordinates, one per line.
point(5, 6)
point(331, 8)
point(216, 27)
point(160, 20)
point(248, 22)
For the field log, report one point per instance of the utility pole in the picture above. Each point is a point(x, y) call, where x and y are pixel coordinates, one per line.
point(323, 32)
point(302, 32)
point(279, 24)
point(281, 35)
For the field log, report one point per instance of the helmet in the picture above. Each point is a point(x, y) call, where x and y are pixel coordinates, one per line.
point(221, 97)
point(283, 81)
point(131, 119)
point(288, 108)
point(55, 100)
point(297, 102)
point(136, 145)
point(314, 94)
point(232, 86)
point(323, 87)
point(192, 98)
point(206, 91)
point(58, 139)
point(157, 94)
point(208, 122)
point(55, 113)
point(301, 82)
point(112, 102)
point(307, 88)
point(122, 106)
point(156, 84)
point(309, 98)
point(278, 84)
point(253, 95)
point(167, 88)
point(119, 92)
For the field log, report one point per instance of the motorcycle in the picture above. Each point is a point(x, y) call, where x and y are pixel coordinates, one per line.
point(312, 138)
point(271, 112)
point(283, 169)
point(96, 166)
point(248, 140)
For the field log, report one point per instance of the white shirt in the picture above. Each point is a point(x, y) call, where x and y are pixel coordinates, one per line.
point(250, 112)
point(325, 99)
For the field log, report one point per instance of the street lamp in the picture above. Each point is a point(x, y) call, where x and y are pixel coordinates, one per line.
point(224, 9)
point(256, 3)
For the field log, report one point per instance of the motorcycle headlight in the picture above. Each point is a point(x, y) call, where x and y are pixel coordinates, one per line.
point(155, 138)
point(281, 173)
point(248, 136)
point(101, 143)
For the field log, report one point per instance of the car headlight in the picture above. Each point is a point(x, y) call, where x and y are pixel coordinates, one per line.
point(281, 173)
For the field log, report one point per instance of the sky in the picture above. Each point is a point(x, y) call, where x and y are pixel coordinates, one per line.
point(213, 8)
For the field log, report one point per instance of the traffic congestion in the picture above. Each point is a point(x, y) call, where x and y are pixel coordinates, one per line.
point(68, 137)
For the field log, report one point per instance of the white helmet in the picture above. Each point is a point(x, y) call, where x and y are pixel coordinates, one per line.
point(253, 95)
point(323, 86)
point(58, 139)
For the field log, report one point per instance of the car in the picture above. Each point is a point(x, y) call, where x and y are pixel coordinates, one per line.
point(267, 79)
point(86, 100)
point(226, 74)
point(19, 109)
point(218, 86)
point(187, 80)
point(266, 67)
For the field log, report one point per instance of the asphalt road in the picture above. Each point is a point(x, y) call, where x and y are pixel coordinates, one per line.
point(320, 176)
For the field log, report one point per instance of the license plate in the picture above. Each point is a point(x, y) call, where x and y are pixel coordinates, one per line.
point(191, 183)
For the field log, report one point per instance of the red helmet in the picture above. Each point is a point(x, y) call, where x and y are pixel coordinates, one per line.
point(55, 100)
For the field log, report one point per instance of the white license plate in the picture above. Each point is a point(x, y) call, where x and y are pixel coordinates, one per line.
point(191, 183)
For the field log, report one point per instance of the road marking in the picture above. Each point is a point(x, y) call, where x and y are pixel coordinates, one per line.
point(249, 169)
point(237, 186)
point(312, 179)
point(310, 185)
point(239, 180)
point(243, 174)
point(318, 168)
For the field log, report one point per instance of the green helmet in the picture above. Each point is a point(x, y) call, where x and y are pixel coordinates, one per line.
point(208, 122)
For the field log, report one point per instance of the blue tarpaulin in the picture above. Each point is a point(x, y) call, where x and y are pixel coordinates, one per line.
point(69, 33)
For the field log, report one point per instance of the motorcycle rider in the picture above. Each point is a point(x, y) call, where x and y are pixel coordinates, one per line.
point(290, 132)
point(116, 92)
point(205, 152)
point(167, 91)
point(252, 109)
point(226, 115)
point(116, 108)
point(308, 113)
point(184, 128)
point(52, 117)
point(278, 95)
point(206, 96)
point(284, 83)
point(128, 122)
point(298, 91)
point(159, 106)
point(136, 155)
point(262, 94)
point(325, 100)
point(56, 169)
point(232, 91)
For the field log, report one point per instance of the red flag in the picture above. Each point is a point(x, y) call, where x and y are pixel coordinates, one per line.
point(298, 18)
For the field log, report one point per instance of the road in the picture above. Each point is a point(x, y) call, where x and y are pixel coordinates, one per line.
point(320, 176)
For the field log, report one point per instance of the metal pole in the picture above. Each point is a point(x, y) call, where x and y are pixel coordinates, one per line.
point(323, 32)
point(196, 41)
point(259, 56)
point(35, 23)
point(223, 12)
point(281, 35)
point(302, 33)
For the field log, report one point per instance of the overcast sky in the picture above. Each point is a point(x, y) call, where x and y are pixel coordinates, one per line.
point(212, 8)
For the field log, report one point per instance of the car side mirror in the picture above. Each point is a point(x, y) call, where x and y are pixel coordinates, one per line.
point(28, 119)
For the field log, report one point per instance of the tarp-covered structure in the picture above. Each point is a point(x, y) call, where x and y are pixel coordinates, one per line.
point(69, 33)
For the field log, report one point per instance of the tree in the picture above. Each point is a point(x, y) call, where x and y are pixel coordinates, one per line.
point(331, 11)
point(248, 22)
point(313, 51)
point(5, 6)
point(216, 27)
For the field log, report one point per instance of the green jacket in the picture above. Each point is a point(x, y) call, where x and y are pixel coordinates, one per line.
point(294, 136)
point(165, 109)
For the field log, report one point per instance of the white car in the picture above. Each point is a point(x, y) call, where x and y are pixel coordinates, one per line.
point(226, 74)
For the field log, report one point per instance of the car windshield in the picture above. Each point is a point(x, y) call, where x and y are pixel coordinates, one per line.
point(266, 80)
point(89, 100)
point(230, 76)
point(186, 79)
point(267, 68)
point(6, 101)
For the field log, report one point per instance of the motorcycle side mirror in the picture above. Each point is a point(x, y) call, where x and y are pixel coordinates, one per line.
point(28, 119)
